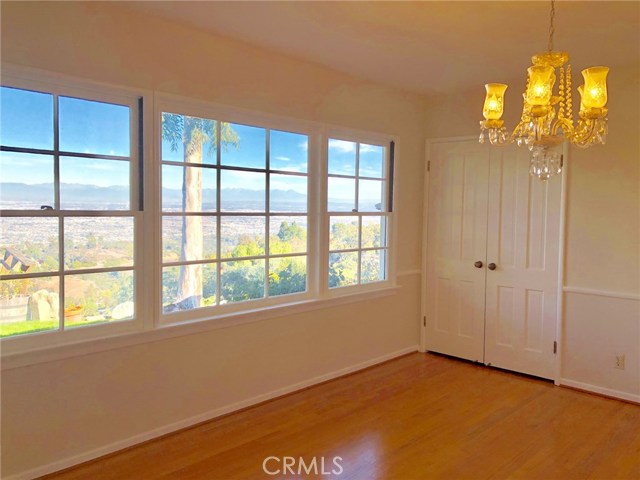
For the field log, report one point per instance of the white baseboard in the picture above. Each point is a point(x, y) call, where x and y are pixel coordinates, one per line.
point(188, 422)
point(608, 392)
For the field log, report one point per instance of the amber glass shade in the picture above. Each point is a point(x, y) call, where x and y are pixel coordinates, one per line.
point(594, 94)
point(541, 80)
point(494, 101)
point(582, 105)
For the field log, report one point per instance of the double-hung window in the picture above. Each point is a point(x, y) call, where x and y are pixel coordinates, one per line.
point(234, 215)
point(70, 208)
point(359, 204)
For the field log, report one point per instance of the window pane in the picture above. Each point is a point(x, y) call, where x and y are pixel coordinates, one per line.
point(94, 127)
point(371, 196)
point(188, 287)
point(27, 181)
point(28, 245)
point(179, 131)
point(242, 191)
point(287, 275)
point(288, 151)
point(97, 298)
point(343, 234)
point(372, 266)
point(241, 280)
point(26, 118)
point(244, 146)
point(98, 242)
point(343, 269)
point(342, 157)
point(200, 194)
point(198, 244)
point(29, 305)
point(94, 184)
point(242, 236)
point(287, 193)
point(287, 235)
point(341, 194)
point(374, 232)
point(371, 161)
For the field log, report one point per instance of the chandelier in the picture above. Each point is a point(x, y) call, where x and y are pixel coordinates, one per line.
point(547, 114)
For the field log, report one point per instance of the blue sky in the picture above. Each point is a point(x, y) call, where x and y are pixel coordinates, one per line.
point(85, 127)
point(103, 129)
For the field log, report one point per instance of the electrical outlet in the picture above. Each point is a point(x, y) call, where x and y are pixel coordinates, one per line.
point(619, 362)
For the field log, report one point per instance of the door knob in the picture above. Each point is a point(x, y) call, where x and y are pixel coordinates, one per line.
point(478, 264)
point(491, 266)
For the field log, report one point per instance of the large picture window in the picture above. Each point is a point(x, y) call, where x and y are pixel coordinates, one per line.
point(234, 212)
point(69, 207)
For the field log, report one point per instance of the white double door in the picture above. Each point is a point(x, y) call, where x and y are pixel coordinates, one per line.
point(493, 239)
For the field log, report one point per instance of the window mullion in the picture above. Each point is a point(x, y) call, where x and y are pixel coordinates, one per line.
point(267, 206)
point(218, 210)
point(322, 213)
point(357, 178)
point(359, 266)
point(58, 208)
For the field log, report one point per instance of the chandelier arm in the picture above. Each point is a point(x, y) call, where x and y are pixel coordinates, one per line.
point(567, 127)
point(583, 140)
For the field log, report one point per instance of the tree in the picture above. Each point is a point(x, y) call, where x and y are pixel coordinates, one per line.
point(193, 133)
point(289, 231)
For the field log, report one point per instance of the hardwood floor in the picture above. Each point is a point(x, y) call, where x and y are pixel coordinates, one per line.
point(420, 416)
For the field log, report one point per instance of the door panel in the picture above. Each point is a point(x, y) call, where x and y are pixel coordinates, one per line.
point(523, 241)
point(456, 239)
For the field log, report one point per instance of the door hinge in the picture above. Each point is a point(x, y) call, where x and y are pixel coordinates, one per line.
point(555, 347)
point(428, 165)
point(561, 161)
point(424, 321)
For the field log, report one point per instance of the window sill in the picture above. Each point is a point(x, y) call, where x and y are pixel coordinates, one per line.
point(163, 332)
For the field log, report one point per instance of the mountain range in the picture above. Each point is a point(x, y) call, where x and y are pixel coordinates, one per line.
point(80, 193)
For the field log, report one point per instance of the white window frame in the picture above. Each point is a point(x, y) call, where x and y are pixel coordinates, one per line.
point(182, 106)
point(148, 325)
point(360, 137)
point(52, 84)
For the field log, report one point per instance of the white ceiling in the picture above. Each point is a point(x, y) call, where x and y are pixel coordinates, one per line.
point(425, 47)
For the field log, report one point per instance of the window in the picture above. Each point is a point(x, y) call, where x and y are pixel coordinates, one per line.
point(358, 208)
point(232, 223)
point(69, 201)
point(234, 213)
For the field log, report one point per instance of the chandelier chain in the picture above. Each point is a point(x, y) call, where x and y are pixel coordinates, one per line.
point(551, 26)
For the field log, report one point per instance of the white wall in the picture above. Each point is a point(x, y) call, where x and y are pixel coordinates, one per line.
point(64, 410)
point(68, 408)
point(602, 251)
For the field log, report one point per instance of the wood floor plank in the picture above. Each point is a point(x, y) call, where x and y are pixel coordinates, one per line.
point(421, 416)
